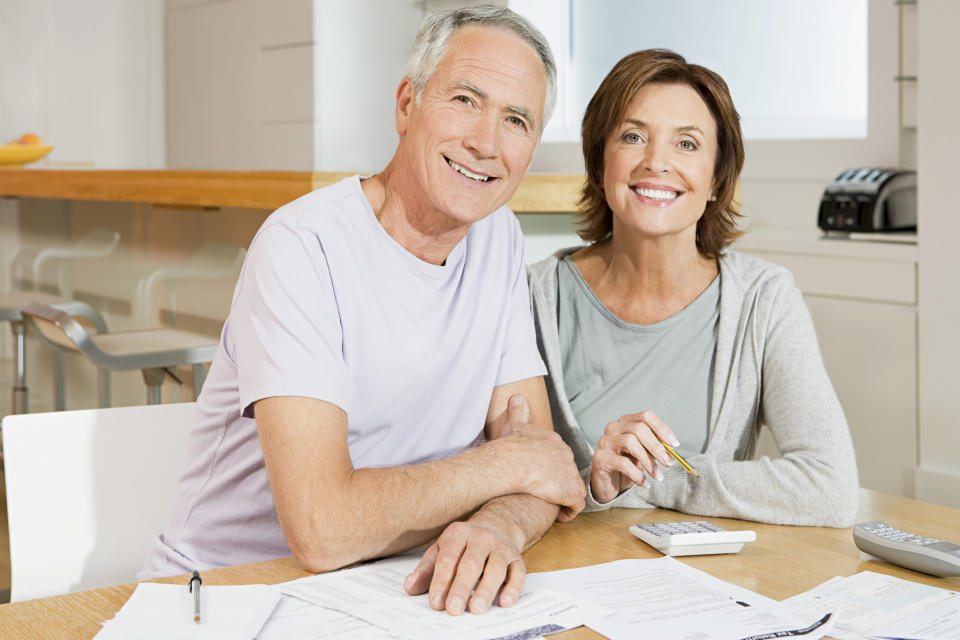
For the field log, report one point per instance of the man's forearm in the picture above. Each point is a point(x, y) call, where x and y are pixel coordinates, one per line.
point(386, 510)
point(520, 515)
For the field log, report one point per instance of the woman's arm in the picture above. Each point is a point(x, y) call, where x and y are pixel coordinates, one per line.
point(814, 482)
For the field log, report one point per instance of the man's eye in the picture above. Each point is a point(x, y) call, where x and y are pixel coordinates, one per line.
point(463, 99)
point(518, 123)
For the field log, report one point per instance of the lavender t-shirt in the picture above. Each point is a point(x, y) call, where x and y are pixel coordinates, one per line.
point(329, 306)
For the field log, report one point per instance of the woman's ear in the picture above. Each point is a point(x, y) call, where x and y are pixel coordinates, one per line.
point(406, 99)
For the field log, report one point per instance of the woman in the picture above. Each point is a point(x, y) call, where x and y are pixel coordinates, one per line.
point(655, 333)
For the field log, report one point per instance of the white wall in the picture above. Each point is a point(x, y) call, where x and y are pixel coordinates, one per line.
point(361, 60)
point(285, 84)
point(87, 76)
point(938, 475)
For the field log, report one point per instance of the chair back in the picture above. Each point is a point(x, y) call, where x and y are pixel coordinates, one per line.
point(88, 491)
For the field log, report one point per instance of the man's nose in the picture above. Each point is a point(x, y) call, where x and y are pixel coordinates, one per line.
point(483, 138)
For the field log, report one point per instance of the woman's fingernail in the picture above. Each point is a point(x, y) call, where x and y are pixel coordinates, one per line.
point(506, 599)
point(675, 443)
point(478, 604)
point(455, 606)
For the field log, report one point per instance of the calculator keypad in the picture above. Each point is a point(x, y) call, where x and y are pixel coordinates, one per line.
point(884, 530)
point(675, 528)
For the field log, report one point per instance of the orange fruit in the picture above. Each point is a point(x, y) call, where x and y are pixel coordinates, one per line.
point(30, 139)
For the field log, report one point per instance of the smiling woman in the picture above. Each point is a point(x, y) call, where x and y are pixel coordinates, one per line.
point(655, 334)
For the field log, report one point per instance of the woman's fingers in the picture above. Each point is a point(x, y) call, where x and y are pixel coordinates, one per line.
point(639, 426)
point(653, 421)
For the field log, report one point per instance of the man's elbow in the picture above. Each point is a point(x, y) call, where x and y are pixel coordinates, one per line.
point(320, 557)
point(322, 546)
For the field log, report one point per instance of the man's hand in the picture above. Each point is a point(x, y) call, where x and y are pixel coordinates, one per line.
point(546, 462)
point(469, 557)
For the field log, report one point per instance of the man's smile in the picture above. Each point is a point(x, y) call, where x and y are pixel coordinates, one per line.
point(479, 177)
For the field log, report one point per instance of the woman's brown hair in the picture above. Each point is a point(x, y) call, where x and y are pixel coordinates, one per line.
point(717, 227)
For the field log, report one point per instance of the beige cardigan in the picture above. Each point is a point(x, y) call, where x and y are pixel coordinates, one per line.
point(767, 371)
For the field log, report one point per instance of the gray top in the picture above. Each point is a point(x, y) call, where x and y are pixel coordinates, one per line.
point(764, 334)
point(613, 367)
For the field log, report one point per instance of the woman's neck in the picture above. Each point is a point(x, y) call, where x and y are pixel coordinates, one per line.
point(645, 280)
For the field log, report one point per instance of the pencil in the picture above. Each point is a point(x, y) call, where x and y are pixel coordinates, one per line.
point(679, 458)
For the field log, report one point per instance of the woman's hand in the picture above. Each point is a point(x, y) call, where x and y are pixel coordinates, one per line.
point(628, 448)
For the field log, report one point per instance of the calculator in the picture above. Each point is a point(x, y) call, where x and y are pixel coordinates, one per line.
point(691, 538)
point(926, 555)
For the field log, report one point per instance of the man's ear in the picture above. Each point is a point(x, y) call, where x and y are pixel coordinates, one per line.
point(406, 98)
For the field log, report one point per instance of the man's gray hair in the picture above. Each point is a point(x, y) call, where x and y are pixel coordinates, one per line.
point(433, 40)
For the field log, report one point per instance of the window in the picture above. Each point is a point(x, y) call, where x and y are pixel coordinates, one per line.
point(796, 70)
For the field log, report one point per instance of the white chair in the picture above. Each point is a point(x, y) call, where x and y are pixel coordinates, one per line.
point(87, 492)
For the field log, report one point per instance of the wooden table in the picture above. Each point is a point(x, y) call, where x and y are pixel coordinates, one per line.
point(782, 562)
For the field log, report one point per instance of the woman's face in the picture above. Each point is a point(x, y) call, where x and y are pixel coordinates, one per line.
point(659, 160)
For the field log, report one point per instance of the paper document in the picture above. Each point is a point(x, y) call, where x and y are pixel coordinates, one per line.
point(874, 605)
point(374, 592)
point(666, 599)
point(165, 611)
point(296, 619)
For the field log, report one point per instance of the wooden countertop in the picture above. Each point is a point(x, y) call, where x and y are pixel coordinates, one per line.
point(253, 189)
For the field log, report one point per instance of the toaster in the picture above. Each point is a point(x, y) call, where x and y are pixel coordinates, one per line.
point(870, 199)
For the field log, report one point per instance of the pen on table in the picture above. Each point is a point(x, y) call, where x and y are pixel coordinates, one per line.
point(195, 590)
point(683, 463)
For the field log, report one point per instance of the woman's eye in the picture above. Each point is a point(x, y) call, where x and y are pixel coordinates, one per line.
point(688, 145)
point(632, 138)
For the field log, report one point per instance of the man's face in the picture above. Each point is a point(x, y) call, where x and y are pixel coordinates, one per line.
point(469, 140)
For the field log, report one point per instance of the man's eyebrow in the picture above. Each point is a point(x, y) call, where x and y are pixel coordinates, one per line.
point(682, 129)
point(520, 111)
point(469, 87)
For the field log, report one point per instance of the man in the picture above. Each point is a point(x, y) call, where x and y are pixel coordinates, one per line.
point(380, 331)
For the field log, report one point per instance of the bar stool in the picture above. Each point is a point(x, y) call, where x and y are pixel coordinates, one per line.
point(10, 305)
point(152, 351)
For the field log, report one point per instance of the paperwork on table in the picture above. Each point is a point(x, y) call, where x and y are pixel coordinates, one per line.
point(874, 605)
point(374, 593)
point(665, 599)
point(165, 611)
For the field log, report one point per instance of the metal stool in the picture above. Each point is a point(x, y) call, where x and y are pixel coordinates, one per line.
point(10, 305)
point(153, 351)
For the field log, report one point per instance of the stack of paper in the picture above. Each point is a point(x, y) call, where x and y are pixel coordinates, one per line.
point(873, 605)
point(665, 599)
point(166, 611)
point(374, 593)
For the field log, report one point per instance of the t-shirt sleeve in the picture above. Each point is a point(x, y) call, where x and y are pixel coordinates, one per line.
point(520, 358)
point(285, 323)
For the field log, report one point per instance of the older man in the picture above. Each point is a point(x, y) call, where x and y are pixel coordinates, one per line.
point(378, 377)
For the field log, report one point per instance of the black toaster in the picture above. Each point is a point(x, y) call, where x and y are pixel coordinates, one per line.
point(870, 199)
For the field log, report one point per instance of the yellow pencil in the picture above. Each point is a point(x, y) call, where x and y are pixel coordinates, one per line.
point(679, 458)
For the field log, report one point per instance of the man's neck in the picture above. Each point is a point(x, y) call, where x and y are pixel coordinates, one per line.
point(412, 221)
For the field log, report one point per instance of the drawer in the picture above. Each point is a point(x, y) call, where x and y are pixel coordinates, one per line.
point(854, 278)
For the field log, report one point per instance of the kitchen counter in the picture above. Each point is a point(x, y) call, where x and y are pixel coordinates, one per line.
point(253, 189)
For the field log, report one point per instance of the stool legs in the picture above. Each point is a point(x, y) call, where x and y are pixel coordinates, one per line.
point(199, 376)
point(19, 368)
point(153, 378)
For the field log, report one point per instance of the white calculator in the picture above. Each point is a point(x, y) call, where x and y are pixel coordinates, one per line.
point(691, 538)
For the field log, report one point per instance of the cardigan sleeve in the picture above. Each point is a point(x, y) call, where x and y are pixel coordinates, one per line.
point(814, 482)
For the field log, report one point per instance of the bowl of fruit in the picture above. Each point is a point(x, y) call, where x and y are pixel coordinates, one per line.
point(27, 148)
